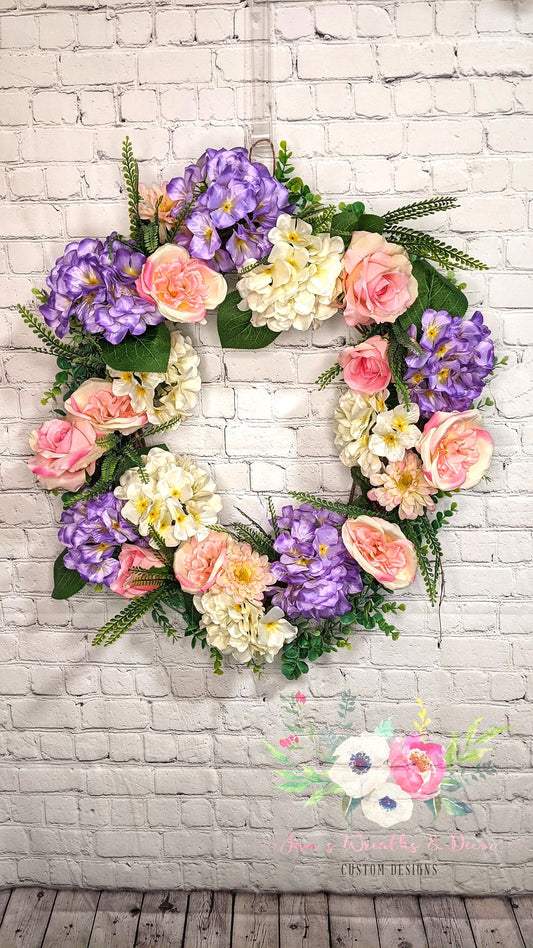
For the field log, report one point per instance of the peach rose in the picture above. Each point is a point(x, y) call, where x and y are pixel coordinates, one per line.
point(366, 368)
point(455, 448)
point(95, 401)
point(182, 287)
point(197, 563)
point(134, 557)
point(378, 280)
point(64, 451)
point(382, 550)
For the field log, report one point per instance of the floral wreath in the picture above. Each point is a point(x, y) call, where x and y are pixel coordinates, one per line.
point(143, 521)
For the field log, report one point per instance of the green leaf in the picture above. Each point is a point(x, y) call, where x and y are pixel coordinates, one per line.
point(488, 735)
point(456, 807)
point(315, 797)
point(385, 728)
point(349, 804)
point(235, 329)
point(67, 582)
point(472, 731)
point(451, 753)
point(276, 753)
point(451, 784)
point(371, 223)
point(473, 757)
point(344, 223)
point(442, 294)
point(146, 353)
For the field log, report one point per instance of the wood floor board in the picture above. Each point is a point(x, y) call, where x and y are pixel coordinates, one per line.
point(522, 906)
point(255, 920)
point(493, 923)
point(26, 917)
point(209, 920)
point(303, 920)
point(446, 922)
point(352, 921)
point(162, 921)
point(5, 895)
point(400, 922)
point(72, 919)
point(116, 920)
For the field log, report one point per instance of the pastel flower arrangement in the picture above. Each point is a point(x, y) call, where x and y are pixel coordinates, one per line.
point(382, 774)
point(143, 521)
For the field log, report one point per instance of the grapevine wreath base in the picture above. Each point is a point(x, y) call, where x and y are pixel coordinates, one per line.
point(143, 521)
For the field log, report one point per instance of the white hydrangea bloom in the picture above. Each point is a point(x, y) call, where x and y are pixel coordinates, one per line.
point(164, 396)
point(242, 629)
point(355, 416)
point(174, 496)
point(300, 285)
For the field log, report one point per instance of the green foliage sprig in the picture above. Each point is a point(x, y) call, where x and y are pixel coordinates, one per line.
point(328, 376)
point(130, 173)
point(425, 245)
point(419, 209)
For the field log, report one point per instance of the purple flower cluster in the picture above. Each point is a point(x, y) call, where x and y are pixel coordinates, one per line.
point(95, 282)
point(451, 369)
point(317, 572)
point(91, 532)
point(234, 204)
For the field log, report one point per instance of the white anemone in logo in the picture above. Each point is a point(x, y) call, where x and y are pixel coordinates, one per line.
point(361, 764)
point(387, 805)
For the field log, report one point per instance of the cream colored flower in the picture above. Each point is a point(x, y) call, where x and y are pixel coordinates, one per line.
point(174, 496)
point(300, 285)
point(242, 629)
point(394, 432)
point(163, 397)
point(403, 485)
point(355, 415)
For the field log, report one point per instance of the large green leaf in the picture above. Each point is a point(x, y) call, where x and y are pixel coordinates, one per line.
point(67, 582)
point(146, 353)
point(434, 292)
point(371, 223)
point(235, 329)
point(344, 223)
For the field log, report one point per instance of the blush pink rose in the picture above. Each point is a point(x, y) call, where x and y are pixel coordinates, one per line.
point(197, 563)
point(381, 549)
point(366, 368)
point(417, 765)
point(456, 450)
point(182, 287)
point(378, 280)
point(95, 401)
point(64, 451)
point(134, 557)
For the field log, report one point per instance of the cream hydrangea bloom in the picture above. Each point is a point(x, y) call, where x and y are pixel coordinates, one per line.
point(174, 496)
point(242, 629)
point(355, 416)
point(300, 284)
point(395, 431)
point(164, 396)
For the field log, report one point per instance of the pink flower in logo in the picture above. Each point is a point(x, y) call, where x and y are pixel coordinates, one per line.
point(417, 766)
point(300, 698)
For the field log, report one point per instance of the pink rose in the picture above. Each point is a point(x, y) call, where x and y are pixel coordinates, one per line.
point(95, 401)
point(366, 367)
point(455, 448)
point(378, 280)
point(197, 563)
point(182, 287)
point(134, 557)
point(64, 452)
point(381, 549)
point(417, 766)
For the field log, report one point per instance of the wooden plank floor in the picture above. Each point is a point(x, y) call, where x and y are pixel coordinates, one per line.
point(73, 918)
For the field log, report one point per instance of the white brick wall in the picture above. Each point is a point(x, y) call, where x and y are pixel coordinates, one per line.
point(136, 766)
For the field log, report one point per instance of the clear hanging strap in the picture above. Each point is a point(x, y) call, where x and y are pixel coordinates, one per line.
point(258, 36)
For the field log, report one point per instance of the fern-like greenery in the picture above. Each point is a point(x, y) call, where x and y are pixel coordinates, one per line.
point(419, 209)
point(425, 245)
point(130, 172)
point(396, 357)
point(328, 376)
point(53, 345)
point(346, 510)
point(134, 611)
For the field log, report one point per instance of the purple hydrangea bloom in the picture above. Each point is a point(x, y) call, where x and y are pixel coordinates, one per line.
point(456, 356)
point(315, 574)
point(236, 204)
point(92, 530)
point(94, 281)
